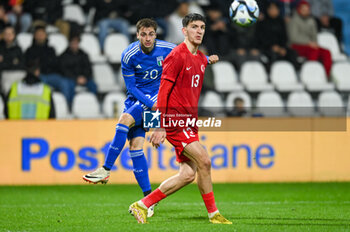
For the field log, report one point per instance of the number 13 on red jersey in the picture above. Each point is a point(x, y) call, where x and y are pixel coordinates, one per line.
point(195, 80)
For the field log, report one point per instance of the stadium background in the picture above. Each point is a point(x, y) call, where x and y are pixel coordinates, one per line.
point(76, 142)
point(282, 168)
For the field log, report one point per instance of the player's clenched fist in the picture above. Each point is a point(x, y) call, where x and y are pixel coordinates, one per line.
point(213, 59)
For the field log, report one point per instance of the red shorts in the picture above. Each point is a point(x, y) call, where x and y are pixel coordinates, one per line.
point(179, 139)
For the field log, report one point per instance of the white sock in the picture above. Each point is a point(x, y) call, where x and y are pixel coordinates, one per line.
point(140, 203)
point(210, 215)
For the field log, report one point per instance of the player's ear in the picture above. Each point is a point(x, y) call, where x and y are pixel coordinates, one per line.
point(184, 31)
point(137, 35)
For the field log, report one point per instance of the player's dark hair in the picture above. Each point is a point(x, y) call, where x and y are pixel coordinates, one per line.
point(146, 22)
point(191, 18)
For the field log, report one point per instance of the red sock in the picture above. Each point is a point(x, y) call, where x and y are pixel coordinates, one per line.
point(153, 197)
point(209, 202)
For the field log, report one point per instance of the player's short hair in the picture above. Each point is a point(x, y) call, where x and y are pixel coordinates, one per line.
point(146, 22)
point(191, 18)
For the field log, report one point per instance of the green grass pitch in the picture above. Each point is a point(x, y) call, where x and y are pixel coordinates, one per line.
point(251, 207)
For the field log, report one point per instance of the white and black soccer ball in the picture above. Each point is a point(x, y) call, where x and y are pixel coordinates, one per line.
point(244, 12)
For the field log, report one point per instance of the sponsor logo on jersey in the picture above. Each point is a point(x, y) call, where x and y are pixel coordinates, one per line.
point(138, 66)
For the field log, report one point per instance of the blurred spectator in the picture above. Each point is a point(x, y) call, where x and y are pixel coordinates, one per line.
point(47, 12)
point(324, 12)
point(3, 19)
point(110, 15)
point(272, 37)
point(18, 18)
point(244, 45)
point(175, 23)
point(30, 98)
point(76, 67)
point(287, 7)
point(159, 10)
point(217, 38)
point(238, 109)
point(11, 56)
point(303, 37)
point(45, 55)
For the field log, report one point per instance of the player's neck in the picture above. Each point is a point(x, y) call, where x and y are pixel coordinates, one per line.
point(193, 48)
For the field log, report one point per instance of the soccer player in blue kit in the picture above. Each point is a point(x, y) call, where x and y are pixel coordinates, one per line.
point(141, 68)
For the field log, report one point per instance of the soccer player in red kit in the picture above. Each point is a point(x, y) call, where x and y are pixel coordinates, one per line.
point(181, 83)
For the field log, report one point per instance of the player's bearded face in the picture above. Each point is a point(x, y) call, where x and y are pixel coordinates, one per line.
point(147, 37)
point(195, 32)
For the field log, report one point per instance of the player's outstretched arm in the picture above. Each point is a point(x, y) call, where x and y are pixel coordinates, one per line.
point(158, 135)
point(213, 59)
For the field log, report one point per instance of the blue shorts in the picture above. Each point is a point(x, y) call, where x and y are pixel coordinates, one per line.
point(136, 109)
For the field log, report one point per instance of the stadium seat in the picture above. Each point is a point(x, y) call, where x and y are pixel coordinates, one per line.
point(114, 46)
point(195, 8)
point(9, 77)
point(58, 42)
point(120, 79)
point(61, 106)
point(104, 78)
point(113, 104)
point(270, 104)
point(341, 76)
point(330, 104)
point(300, 103)
point(86, 106)
point(329, 41)
point(212, 102)
point(74, 13)
point(24, 40)
point(90, 45)
point(225, 77)
point(2, 106)
point(313, 75)
point(244, 95)
point(284, 77)
point(254, 77)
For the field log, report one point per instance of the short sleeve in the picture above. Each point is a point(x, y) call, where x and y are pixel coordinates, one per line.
point(172, 66)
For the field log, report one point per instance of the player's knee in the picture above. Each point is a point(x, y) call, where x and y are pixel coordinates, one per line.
point(205, 164)
point(126, 119)
point(189, 177)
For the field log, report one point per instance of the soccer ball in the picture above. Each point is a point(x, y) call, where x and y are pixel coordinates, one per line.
point(244, 12)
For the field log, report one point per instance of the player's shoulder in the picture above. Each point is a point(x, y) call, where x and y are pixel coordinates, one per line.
point(204, 57)
point(164, 44)
point(178, 50)
point(130, 51)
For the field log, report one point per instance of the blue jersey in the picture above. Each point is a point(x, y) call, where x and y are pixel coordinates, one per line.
point(142, 71)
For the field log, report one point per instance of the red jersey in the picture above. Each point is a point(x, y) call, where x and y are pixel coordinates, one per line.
point(186, 71)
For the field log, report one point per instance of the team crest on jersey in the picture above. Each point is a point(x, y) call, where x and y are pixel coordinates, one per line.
point(202, 68)
point(160, 60)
